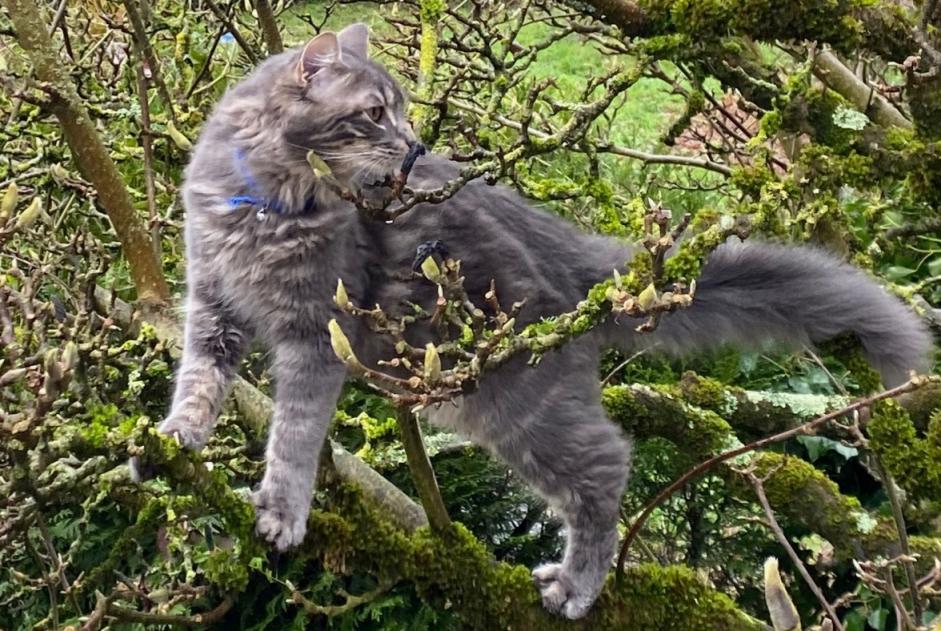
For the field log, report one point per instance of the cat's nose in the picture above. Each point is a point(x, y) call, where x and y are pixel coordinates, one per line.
point(409, 134)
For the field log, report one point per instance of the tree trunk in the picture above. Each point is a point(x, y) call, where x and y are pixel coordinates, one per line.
point(90, 154)
point(269, 27)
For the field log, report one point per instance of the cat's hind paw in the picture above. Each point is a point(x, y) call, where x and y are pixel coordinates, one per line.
point(560, 594)
point(277, 522)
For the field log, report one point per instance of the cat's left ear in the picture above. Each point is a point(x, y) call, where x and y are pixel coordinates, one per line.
point(319, 53)
point(354, 39)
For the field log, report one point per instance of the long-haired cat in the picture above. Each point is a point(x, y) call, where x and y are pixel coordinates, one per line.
point(265, 245)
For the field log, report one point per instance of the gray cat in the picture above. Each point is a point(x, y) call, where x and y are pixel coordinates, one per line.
point(266, 244)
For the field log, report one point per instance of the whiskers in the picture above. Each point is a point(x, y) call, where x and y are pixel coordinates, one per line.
point(355, 164)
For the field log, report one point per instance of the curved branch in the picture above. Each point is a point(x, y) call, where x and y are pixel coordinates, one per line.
point(803, 430)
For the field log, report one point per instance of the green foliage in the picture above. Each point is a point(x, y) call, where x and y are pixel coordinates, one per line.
point(914, 462)
point(807, 167)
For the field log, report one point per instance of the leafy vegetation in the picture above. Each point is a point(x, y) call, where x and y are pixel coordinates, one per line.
point(738, 113)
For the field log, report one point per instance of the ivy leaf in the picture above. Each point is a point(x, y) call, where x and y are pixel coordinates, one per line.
point(898, 272)
point(877, 619)
point(817, 446)
point(934, 266)
point(848, 118)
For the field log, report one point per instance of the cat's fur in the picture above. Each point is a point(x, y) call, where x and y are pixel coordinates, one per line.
point(274, 279)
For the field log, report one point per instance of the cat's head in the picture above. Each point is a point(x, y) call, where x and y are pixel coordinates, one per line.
point(346, 107)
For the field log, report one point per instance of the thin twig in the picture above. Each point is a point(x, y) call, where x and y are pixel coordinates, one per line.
point(230, 26)
point(898, 515)
point(147, 145)
point(147, 58)
point(194, 620)
point(207, 62)
point(782, 539)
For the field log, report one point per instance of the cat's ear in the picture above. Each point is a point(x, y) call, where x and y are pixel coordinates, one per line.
point(354, 39)
point(319, 53)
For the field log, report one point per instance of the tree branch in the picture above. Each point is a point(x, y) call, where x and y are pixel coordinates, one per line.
point(829, 69)
point(803, 430)
point(90, 154)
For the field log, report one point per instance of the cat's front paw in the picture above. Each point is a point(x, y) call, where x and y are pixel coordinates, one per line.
point(175, 427)
point(279, 520)
point(560, 593)
point(184, 430)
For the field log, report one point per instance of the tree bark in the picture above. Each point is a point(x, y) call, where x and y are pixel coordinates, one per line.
point(422, 473)
point(90, 154)
point(829, 69)
point(269, 27)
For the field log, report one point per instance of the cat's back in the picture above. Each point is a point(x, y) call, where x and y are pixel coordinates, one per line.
point(498, 234)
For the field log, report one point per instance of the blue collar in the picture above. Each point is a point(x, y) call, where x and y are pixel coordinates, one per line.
point(255, 198)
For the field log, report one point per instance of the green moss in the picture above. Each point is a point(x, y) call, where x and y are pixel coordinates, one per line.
point(847, 349)
point(654, 411)
point(802, 494)
point(694, 105)
point(213, 492)
point(455, 571)
point(704, 392)
point(687, 263)
point(831, 21)
point(751, 179)
point(914, 462)
point(924, 99)
point(225, 569)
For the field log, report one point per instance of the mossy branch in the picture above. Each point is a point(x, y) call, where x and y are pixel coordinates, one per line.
point(879, 27)
point(829, 69)
point(256, 409)
point(803, 430)
point(430, 12)
point(450, 566)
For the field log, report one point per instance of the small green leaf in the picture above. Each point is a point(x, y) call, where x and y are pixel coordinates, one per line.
point(898, 272)
point(934, 266)
point(817, 446)
point(848, 118)
point(877, 619)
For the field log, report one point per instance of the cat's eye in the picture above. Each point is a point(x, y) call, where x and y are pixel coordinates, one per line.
point(375, 113)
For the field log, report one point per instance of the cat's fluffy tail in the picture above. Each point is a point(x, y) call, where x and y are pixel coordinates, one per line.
point(753, 293)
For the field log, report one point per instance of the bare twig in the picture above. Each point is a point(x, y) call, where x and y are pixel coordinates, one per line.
point(230, 26)
point(795, 559)
point(350, 603)
point(898, 515)
point(147, 145)
point(147, 59)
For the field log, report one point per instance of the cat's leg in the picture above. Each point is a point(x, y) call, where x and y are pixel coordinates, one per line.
point(214, 343)
point(308, 378)
point(550, 428)
point(579, 461)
